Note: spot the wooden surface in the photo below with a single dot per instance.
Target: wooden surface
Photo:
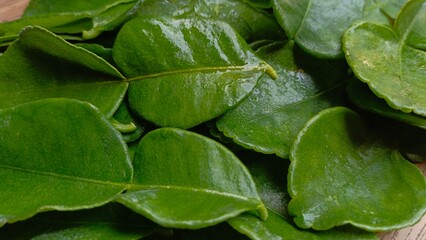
(12, 9)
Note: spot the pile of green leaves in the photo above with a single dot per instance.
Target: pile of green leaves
(212, 119)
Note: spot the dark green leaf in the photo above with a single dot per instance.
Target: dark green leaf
(342, 173)
(270, 118)
(251, 23)
(185, 180)
(58, 154)
(318, 26)
(112, 221)
(42, 65)
(392, 65)
(187, 71)
(361, 95)
(123, 116)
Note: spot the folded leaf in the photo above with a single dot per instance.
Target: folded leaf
(318, 26)
(185, 180)
(392, 65)
(42, 65)
(365, 99)
(112, 221)
(341, 173)
(269, 120)
(251, 23)
(187, 71)
(53, 157)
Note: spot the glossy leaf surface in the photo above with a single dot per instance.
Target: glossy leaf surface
(187, 71)
(269, 173)
(278, 228)
(341, 173)
(111, 221)
(392, 65)
(88, 18)
(362, 96)
(318, 26)
(269, 120)
(60, 161)
(42, 65)
(185, 180)
(251, 23)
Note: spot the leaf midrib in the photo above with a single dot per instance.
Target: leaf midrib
(63, 176)
(142, 187)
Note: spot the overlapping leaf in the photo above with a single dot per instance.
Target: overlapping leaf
(341, 173)
(187, 71)
(42, 65)
(251, 23)
(88, 18)
(270, 118)
(365, 99)
(58, 154)
(112, 221)
(392, 65)
(270, 175)
(185, 180)
(318, 26)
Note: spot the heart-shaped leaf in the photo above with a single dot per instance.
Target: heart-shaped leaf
(58, 154)
(185, 180)
(41, 65)
(251, 23)
(187, 71)
(318, 26)
(269, 120)
(112, 221)
(361, 95)
(392, 65)
(341, 173)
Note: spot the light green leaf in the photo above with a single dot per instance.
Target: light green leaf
(53, 157)
(318, 26)
(187, 71)
(124, 117)
(42, 65)
(251, 23)
(111, 221)
(361, 95)
(410, 24)
(269, 120)
(185, 180)
(342, 173)
(393, 70)
(260, 3)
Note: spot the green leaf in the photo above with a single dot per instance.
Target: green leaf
(185, 180)
(41, 65)
(53, 157)
(276, 227)
(342, 173)
(260, 3)
(251, 23)
(361, 95)
(187, 71)
(86, 17)
(112, 221)
(318, 26)
(123, 116)
(410, 24)
(269, 173)
(220, 231)
(391, 65)
(269, 120)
